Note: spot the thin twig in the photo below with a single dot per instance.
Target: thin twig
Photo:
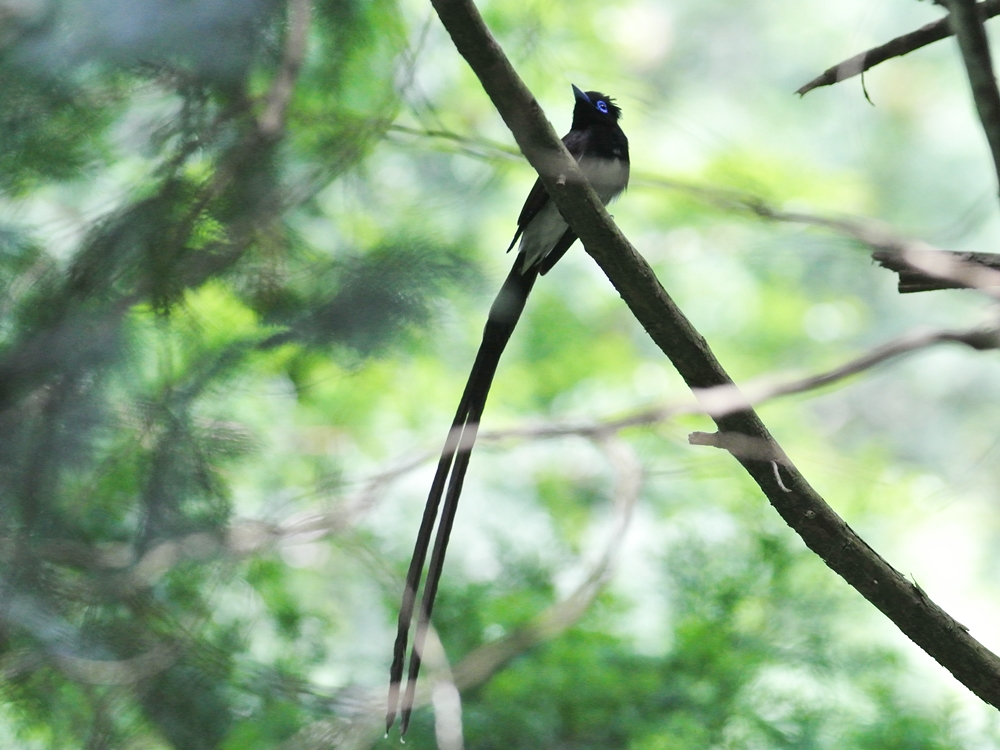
(932, 32)
(479, 148)
(979, 339)
(743, 446)
(921, 266)
(924, 261)
(952, 270)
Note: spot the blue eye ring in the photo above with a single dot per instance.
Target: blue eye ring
(602, 106)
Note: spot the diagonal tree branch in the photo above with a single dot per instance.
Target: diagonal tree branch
(901, 45)
(796, 501)
(975, 49)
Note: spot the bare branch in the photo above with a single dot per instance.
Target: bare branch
(968, 27)
(723, 400)
(953, 271)
(976, 338)
(796, 501)
(901, 45)
(923, 268)
(928, 266)
(742, 446)
(477, 147)
(912, 279)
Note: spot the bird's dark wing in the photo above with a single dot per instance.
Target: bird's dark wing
(535, 202)
(575, 143)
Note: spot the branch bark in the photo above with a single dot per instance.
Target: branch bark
(981, 267)
(796, 501)
(975, 47)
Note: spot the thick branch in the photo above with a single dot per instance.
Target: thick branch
(802, 508)
(901, 45)
(975, 47)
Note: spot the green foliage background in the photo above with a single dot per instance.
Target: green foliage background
(225, 359)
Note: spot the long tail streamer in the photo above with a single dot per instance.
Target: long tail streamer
(454, 462)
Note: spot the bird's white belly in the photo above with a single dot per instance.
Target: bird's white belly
(606, 176)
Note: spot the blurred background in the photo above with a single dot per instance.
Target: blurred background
(241, 287)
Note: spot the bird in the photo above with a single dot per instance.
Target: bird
(600, 147)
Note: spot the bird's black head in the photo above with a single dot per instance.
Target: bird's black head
(594, 108)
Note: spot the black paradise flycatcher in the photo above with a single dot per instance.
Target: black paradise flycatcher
(597, 142)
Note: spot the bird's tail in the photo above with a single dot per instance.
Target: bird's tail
(454, 462)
